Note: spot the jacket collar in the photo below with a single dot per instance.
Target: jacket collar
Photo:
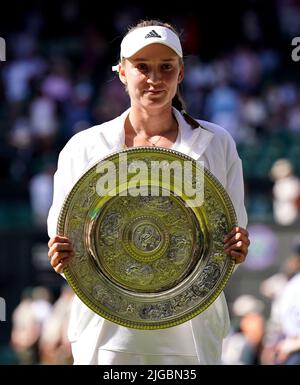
(193, 141)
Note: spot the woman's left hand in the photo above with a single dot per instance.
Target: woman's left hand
(237, 243)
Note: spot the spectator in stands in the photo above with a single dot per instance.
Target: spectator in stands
(286, 192)
(41, 193)
(243, 345)
(288, 349)
(25, 330)
(279, 341)
(54, 346)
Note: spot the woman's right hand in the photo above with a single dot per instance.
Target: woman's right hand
(60, 252)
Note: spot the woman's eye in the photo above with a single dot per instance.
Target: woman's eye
(142, 67)
(167, 66)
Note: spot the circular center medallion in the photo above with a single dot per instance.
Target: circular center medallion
(146, 237)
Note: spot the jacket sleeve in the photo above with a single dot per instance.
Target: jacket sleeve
(235, 189)
(62, 185)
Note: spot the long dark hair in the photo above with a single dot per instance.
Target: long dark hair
(177, 101)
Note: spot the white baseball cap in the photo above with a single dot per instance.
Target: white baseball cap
(141, 37)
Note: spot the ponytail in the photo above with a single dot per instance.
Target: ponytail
(179, 104)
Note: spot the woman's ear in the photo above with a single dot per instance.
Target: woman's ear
(122, 75)
(181, 74)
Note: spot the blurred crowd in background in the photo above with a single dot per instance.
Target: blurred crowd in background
(57, 81)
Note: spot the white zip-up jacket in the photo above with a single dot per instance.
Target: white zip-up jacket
(210, 144)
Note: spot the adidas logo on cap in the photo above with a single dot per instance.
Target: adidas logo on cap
(152, 34)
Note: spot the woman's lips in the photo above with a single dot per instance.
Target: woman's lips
(154, 92)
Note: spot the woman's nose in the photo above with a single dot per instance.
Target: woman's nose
(153, 76)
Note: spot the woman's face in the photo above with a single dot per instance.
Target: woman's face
(152, 76)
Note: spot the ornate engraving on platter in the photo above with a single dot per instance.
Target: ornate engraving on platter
(147, 261)
(146, 237)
